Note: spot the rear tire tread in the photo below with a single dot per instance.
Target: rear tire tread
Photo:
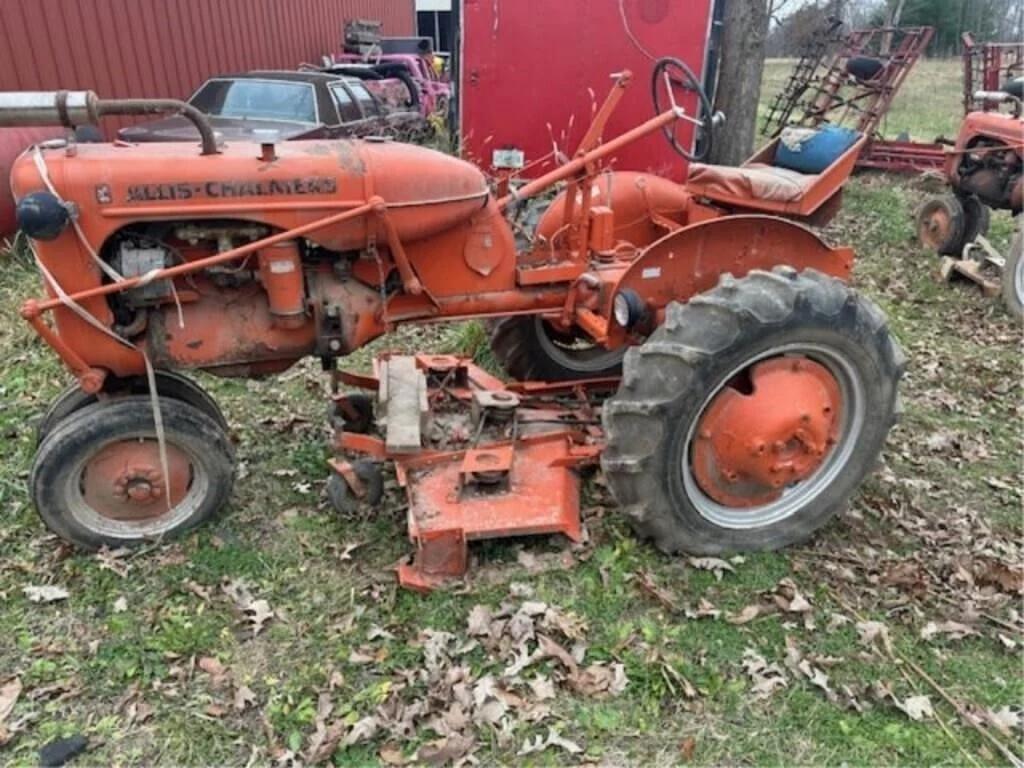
(666, 371)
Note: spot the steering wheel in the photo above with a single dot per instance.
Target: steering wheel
(671, 74)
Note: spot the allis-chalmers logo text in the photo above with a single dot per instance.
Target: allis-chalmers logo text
(313, 185)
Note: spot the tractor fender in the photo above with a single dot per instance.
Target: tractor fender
(690, 261)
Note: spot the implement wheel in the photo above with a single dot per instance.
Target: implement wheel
(530, 349)
(98, 479)
(168, 384)
(748, 419)
(345, 500)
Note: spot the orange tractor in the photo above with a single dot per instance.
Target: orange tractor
(985, 172)
(708, 355)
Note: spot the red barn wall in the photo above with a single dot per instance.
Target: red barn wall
(166, 48)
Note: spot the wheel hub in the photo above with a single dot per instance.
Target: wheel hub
(936, 227)
(124, 481)
(750, 447)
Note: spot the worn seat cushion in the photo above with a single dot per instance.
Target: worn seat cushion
(755, 181)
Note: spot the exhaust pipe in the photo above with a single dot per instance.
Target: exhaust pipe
(74, 108)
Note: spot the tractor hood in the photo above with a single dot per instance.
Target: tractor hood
(114, 185)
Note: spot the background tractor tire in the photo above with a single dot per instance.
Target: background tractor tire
(670, 381)
(942, 225)
(97, 479)
(1013, 278)
(977, 219)
(168, 384)
(530, 350)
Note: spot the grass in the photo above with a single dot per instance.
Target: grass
(88, 666)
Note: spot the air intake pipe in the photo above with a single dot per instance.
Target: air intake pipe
(74, 108)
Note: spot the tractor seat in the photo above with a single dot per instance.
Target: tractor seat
(753, 181)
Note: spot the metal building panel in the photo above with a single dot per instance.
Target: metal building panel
(533, 72)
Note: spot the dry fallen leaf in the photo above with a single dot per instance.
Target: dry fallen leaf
(540, 743)
(446, 750)
(954, 630)
(766, 678)
(714, 564)
(745, 616)
(245, 697)
(872, 632)
(916, 707)
(48, 593)
(9, 694)
(213, 668)
(599, 680)
(542, 688)
(1005, 720)
(687, 748)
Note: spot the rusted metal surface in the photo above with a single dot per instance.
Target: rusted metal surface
(499, 465)
(124, 481)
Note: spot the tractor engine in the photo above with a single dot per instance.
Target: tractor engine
(100, 214)
(287, 301)
(993, 173)
(988, 161)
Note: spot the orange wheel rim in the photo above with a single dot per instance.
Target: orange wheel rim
(124, 481)
(760, 436)
(936, 228)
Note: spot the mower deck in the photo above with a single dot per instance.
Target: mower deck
(493, 460)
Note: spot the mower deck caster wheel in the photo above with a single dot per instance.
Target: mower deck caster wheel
(100, 478)
(345, 500)
(358, 418)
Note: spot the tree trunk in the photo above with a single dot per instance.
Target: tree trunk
(739, 79)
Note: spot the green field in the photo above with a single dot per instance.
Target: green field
(151, 658)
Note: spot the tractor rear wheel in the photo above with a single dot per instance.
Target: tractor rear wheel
(1013, 278)
(99, 479)
(168, 384)
(748, 419)
(528, 348)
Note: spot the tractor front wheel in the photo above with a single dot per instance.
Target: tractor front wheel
(749, 418)
(168, 385)
(528, 348)
(100, 479)
(946, 224)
